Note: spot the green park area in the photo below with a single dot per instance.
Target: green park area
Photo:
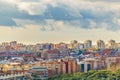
(90, 75)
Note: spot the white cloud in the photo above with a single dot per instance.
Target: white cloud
(116, 20)
(92, 24)
(32, 8)
(40, 6)
(92, 13)
(36, 8)
(47, 25)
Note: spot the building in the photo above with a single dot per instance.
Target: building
(100, 44)
(13, 43)
(60, 46)
(80, 46)
(87, 44)
(112, 44)
(86, 64)
(39, 73)
(84, 67)
(50, 54)
(61, 66)
(73, 44)
(113, 63)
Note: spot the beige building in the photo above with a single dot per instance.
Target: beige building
(59, 66)
(100, 44)
(73, 44)
(87, 44)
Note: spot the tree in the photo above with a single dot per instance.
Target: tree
(91, 75)
(117, 73)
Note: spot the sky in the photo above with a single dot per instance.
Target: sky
(34, 21)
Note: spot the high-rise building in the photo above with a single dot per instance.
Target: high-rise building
(112, 44)
(87, 44)
(5, 44)
(13, 43)
(73, 44)
(100, 44)
(80, 46)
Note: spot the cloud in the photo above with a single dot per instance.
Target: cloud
(50, 14)
(6, 13)
(105, 0)
(36, 8)
(33, 8)
(46, 25)
(52, 25)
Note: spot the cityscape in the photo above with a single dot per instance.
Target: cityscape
(43, 60)
(59, 39)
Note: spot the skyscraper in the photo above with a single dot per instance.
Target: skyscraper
(112, 44)
(100, 44)
(73, 44)
(13, 43)
(87, 44)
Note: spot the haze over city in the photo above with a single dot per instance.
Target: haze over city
(31, 21)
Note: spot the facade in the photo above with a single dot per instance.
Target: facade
(60, 46)
(80, 46)
(112, 44)
(73, 44)
(100, 44)
(60, 66)
(83, 67)
(13, 43)
(87, 44)
(39, 73)
(51, 54)
(113, 63)
(87, 64)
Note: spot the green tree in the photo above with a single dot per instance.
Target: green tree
(91, 75)
(117, 74)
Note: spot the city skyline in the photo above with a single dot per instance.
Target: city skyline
(59, 20)
(69, 42)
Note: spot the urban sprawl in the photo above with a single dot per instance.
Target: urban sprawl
(43, 60)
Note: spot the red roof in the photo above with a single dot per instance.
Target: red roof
(55, 51)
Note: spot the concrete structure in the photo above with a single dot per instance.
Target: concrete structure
(60, 46)
(113, 63)
(80, 46)
(73, 44)
(39, 73)
(100, 44)
(112, 44)
(87, 44)
(61, 66)
(51, 54)
(21, 76)
(87, 64)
